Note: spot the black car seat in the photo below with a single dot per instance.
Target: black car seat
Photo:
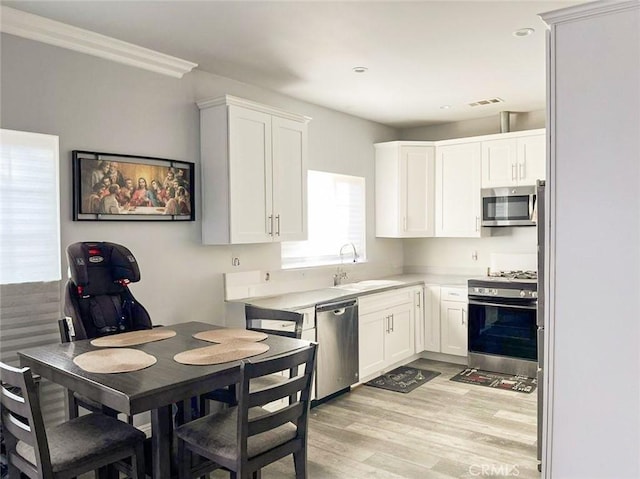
(97, 298)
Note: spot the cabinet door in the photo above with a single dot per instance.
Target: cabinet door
(371, 337)
(458, 190)
(310, 335)
(453, 321)
(250, 176)
(417, 165)
(289, 179)
(432, 318)
(532, 157)
(419, 316)
(499, 163)
(399, 340)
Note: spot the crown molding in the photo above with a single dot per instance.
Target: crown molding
(34, 27)
(585, 10)
(252, 105)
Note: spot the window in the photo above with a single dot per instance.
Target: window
(336, 216)
(29, 207)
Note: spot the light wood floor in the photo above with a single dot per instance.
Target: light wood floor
(441, 430)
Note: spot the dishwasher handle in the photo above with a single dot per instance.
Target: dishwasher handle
(338, 307)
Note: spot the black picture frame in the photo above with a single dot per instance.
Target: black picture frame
(116, 187)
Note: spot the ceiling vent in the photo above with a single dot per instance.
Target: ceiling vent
(489, 101)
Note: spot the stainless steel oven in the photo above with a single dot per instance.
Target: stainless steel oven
(502, 325)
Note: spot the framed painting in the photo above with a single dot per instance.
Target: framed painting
(110, 186)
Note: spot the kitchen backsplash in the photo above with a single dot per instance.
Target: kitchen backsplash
(248, 284)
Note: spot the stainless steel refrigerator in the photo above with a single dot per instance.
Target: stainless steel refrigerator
(540, 319)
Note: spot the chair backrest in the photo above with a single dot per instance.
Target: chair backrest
(97, 298)
(271, 321)
(22, 421)
(297, 387)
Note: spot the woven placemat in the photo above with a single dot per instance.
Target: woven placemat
(133, 338)
(230, 334)
(117, 360)
(221, 353)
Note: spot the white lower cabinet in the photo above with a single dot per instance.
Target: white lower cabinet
(453, 321)
(386, 330)
(432, 318)
(419, 308)
(309, 334)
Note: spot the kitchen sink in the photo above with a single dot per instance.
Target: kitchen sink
(369, 284)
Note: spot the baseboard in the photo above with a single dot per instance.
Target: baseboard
(388, 368)
(446, 358)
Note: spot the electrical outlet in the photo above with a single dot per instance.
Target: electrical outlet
(474, 256)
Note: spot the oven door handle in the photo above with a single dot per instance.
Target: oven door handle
(502, 305)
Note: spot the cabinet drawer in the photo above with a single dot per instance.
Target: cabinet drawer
(380, 301)
(309, 321)
(449, 293)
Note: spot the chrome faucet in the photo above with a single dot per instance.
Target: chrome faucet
(353, 248)
(341, 274)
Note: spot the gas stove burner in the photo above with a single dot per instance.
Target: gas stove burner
(515, 274)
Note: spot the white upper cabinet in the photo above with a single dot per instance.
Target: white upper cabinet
(458, 200)
(532, 159)
(513, 161)
(253, 164)
(405, 189)
(289, 179)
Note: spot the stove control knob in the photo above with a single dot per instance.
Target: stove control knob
(534, 294)
(523, 293)
(494, 292)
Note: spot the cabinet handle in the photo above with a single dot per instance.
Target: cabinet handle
(388, 323)
(464, 313)
(278, 225)
(392, 323)
(404, 223)
(270, 225)
(513, 171)
(419, 293)
(521, 168)
(477, 224)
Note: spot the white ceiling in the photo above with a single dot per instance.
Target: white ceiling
(420, 55)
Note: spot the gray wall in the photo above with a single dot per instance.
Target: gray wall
(518, 121)
(98, 105)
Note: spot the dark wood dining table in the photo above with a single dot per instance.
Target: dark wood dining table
(153, 389)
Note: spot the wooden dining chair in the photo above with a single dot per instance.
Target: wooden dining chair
(266, 320)
(75, 400)
(274, 321)
(245, 438)
(84, 444)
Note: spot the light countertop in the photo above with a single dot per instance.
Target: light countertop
(307, 299)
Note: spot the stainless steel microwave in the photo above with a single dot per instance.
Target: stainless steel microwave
(509, 206)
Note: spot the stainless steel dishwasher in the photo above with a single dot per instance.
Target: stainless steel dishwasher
(337, 336)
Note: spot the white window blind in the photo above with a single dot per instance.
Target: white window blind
(336, 216)
(29, 207)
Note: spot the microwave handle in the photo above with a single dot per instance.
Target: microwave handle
(532, 201)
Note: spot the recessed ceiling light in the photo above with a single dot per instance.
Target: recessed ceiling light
(523, 32)
(445, 107)
(360, 69)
